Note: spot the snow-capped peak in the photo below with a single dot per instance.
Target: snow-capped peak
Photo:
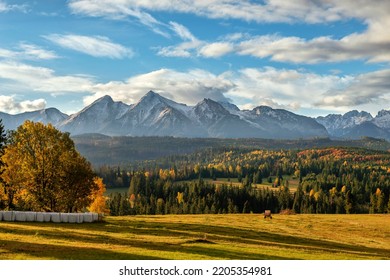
(382, 119)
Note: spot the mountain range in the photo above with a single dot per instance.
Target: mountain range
(155, 115)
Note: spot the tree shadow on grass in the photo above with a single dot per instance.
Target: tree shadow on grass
(86, 252)
(246, 236)
(90, 240)
(182, 234)
(49, 251)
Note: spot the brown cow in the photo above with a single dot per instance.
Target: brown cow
(267, 214)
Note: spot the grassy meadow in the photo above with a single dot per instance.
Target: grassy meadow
(205, 237)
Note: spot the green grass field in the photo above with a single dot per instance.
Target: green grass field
(241, 236)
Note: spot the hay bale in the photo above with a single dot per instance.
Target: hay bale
(95, 217)
(64, 217)
(88, 218)
(47, 217)
(39, 217)
(80, 218)
(8, 216)
(20, 216)
(31, 216)
(287, 212)
(55, 217)
(72, 218)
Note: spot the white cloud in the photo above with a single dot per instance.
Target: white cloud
(116, 10)
(27, 51)
(97, 46)
(317, 50)
(281, 88)
(310, 11)
(371, 45)
(4, 53)
(174, 51)
(267, 11)
(34, 52)
(216, 49)
(4, 7)
(249, 87)
(185, 49)
(373, 87)
(182, 31)
(193, 46)
(24, 77)
(186, 87)
(10, 105)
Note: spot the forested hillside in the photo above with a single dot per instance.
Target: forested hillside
(105, 150)
(328, 180)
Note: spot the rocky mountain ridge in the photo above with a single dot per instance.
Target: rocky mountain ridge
(155, 115)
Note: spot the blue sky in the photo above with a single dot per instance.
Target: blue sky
(309, 57)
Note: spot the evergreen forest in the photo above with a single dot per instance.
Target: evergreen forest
(225, 180)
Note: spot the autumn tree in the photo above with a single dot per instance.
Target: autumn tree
(98, 204)
(45, 170)
(3, 140)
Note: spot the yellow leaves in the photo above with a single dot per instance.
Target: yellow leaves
(344, 189)
(172, 174)
(98, 204)
(333, 191)
(44, 164)
(132, 200)
(316, 196)
(197, 169)
(179, 197)
(378, 192)
(312, 192)
(219, 167)
(165, 174)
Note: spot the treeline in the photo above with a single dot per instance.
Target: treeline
(332, 180)
(201, 197)
(123, 150)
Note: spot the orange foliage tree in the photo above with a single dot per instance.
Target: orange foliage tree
(98, 204)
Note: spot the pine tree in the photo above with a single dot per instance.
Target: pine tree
(381, 203)
(373, 203)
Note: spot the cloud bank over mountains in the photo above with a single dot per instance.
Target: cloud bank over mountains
(279, 88)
